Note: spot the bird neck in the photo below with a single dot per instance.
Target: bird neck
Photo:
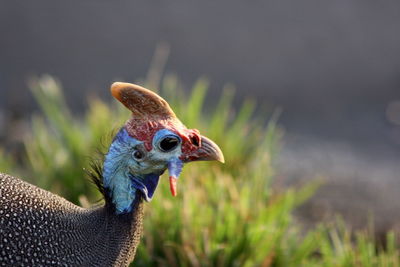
(117, 183)
(129, 228)
(116, 236)
(122, 192)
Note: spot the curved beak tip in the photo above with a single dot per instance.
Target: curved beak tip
(221, 159)
(209, 151)
(219, 156)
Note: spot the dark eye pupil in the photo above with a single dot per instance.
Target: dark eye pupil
(137, 154)
(168, 143)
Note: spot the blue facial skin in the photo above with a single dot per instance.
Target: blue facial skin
(129, 167)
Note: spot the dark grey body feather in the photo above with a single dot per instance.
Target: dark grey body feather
(38, 228)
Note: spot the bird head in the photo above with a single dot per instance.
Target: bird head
(151, 141)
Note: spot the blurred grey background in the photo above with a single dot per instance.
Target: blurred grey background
(333, 67)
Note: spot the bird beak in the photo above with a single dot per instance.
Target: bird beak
(207, 151)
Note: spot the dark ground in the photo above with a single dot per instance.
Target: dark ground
(333, 67)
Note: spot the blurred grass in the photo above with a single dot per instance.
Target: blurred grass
(225, 215)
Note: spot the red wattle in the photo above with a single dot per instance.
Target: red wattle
(172, 185)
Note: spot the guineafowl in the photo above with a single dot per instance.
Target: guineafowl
(38, 228)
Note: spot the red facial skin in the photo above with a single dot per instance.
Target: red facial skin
(145, 129)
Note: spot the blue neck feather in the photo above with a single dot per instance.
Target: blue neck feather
(116, 171)
(122, 184)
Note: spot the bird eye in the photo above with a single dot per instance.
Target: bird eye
(138, 155)
(169, 143)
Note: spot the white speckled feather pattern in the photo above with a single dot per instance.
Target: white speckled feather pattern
(38, 228)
